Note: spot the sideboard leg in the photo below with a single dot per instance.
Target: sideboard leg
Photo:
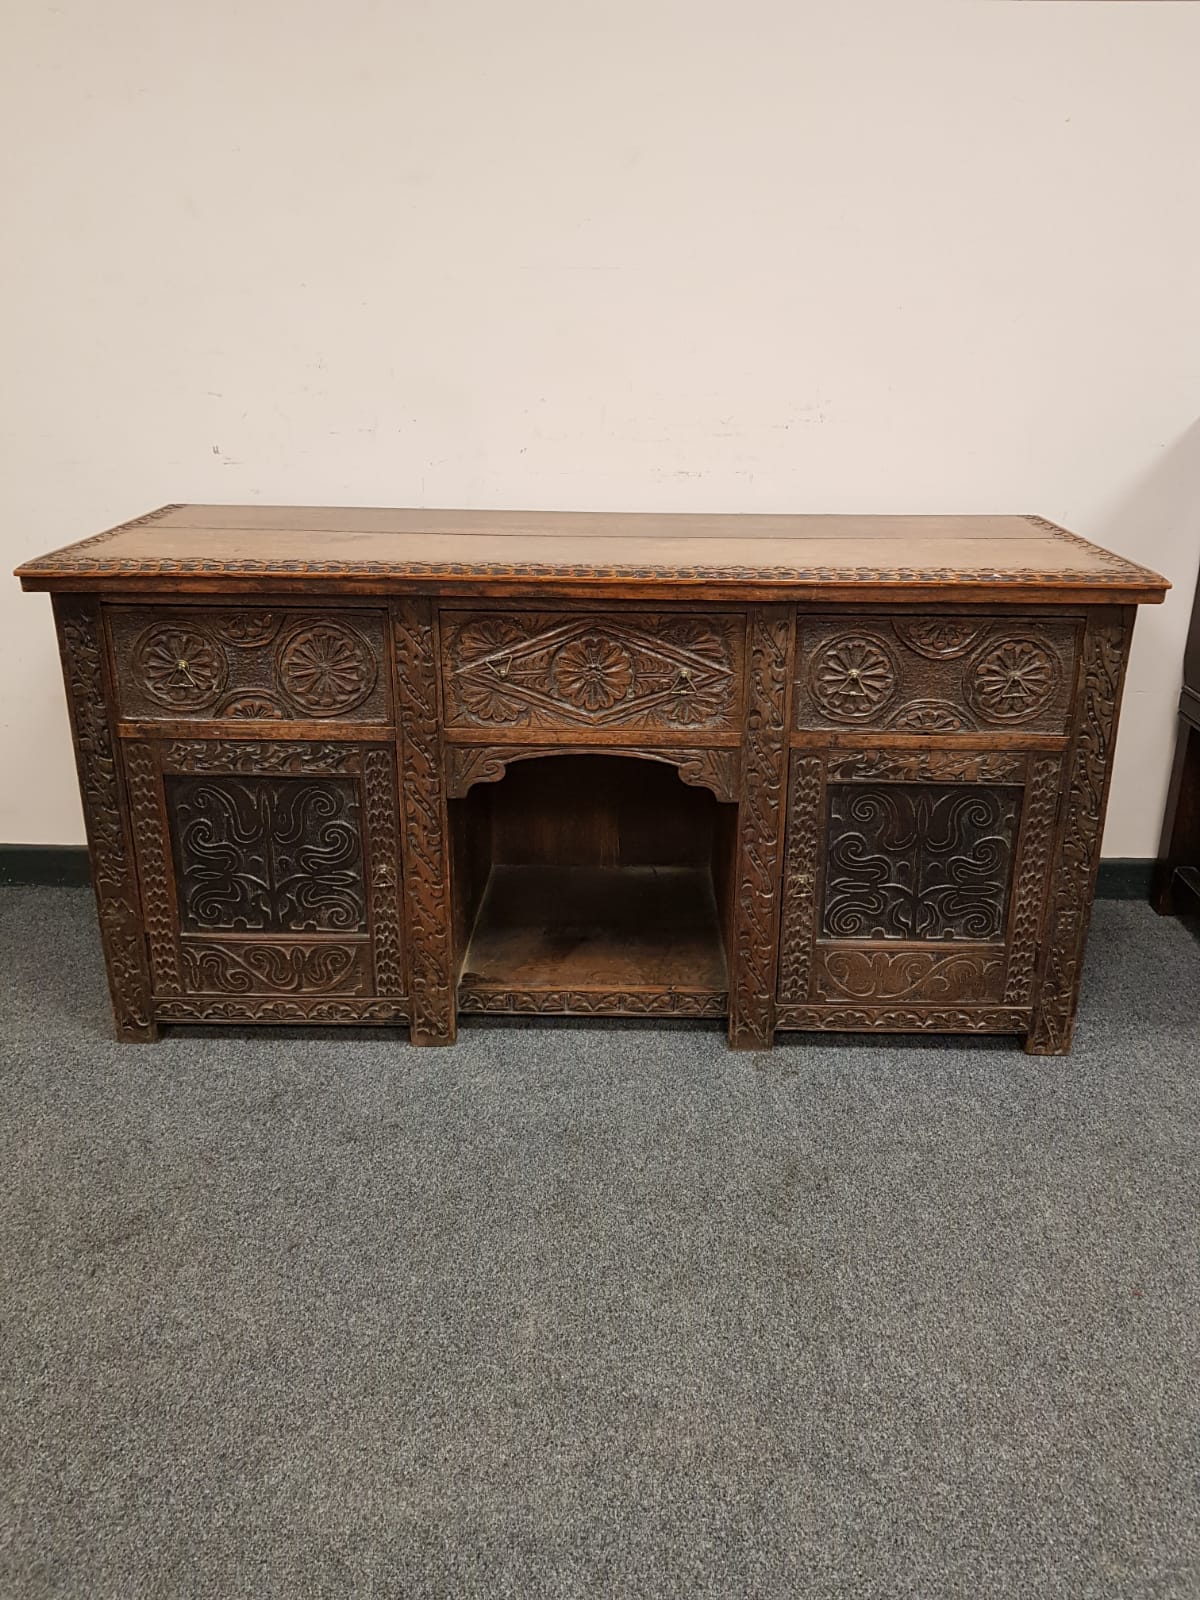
(432, 981)
(114, 880)
(754, 957)
(1077, 851)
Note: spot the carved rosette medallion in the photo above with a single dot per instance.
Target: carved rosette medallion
(1013, 681)
(853, 677)
(180, 667)
(326, 668)
(593, 672)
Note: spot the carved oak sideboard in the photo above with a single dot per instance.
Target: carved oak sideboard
(371, 766)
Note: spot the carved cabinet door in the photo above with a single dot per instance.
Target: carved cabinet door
(269, 874)
(914, 886)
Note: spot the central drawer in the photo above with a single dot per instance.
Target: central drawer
(669, 672)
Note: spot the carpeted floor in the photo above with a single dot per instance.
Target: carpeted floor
(598, 1311)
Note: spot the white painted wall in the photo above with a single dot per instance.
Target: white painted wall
(757, 256)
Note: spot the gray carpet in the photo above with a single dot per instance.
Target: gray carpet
(597, 1311)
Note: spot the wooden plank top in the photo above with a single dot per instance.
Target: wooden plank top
(197, 548)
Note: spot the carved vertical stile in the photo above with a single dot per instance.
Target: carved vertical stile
(113, 875)
(798, 913)
(425, 844)
(760, 829)
(1041, 809)
(1077, 857)
(154, 869)
(383, 844)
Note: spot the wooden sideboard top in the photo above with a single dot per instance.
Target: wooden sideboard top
(971, 558)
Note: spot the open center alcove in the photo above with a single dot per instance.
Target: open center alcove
(592, 883)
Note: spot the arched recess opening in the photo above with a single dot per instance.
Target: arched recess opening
(596, 882)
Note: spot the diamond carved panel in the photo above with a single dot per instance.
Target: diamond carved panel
(580, 670)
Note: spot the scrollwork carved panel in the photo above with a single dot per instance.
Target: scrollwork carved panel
(267, 854)
(957, 977)
(918, 861)
(264, 967)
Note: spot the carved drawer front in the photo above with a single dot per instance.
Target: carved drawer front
(177, 663)
(935, 674)
(268, 871)
(914, 878)
(644, 670)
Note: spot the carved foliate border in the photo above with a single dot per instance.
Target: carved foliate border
(1041, 809)
(1073, 871)
(900, 1019)
(927, 766)
(798, 914)
(425, 851)
(383, 871)
(113, 875)
(253, 758)
(154, 871)
(595, 1002)
(203, 1010)
(760, 829)
(716, 769)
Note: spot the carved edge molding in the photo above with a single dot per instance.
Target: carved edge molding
(764, 763)
(425, 845)
(279, 1010)
(1040, 815)
(1105, 650)
(716, 769)
(154, 871)
(145, 566)
(893, 1019)
(67, 559)
(383, 875)
(113, 875)
(1122, 568)
(927, 766)
(798, 913)
(595, 1002)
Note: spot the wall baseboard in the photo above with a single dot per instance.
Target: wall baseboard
(59, 865)
(66, 865)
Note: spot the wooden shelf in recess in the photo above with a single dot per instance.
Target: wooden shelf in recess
(596, 940)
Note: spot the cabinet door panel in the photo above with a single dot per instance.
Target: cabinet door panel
(915, 877)
(268, 870)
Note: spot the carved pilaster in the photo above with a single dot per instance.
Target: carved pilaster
(425, 847)
(760, 829)
(113, 878)
(800, 876)
(1077, 857)
(154, 870)
(379, 780)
